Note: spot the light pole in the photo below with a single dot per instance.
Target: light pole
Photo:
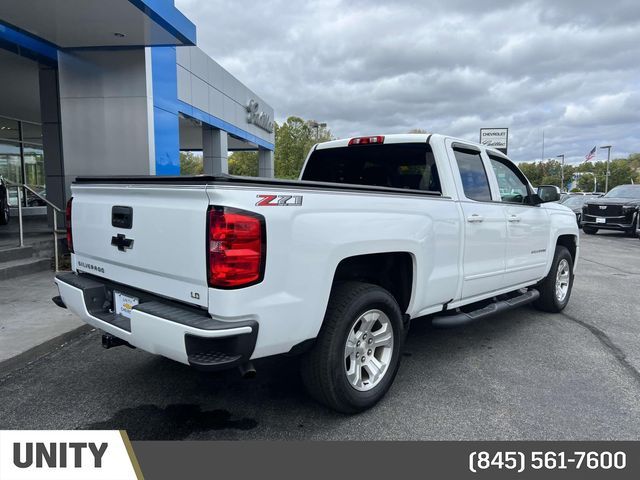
(606, 177)
(561, 171)
(317, 126)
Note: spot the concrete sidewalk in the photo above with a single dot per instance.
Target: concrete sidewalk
(31, 325)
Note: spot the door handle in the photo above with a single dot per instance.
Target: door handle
(475, 218)
(514, 218)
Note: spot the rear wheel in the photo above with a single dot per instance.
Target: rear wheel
(357, 353)
(589, 230)
(555, 289)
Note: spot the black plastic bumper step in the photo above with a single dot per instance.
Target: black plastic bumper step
(212, 359)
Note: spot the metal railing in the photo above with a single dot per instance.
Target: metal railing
(56, 210)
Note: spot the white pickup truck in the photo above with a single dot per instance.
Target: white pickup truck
(216, 271)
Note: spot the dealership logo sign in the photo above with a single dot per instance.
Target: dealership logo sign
(69, 455)
(497, 138)
(54, 454)
(257, 117)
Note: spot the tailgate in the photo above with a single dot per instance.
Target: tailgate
(167, 253)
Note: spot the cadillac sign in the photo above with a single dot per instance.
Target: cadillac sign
(257, 117)
(497, 138)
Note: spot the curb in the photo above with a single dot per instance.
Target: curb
(12, 364)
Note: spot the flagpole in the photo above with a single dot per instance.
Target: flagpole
(542, 158)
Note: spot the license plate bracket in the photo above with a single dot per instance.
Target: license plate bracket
(123, 304)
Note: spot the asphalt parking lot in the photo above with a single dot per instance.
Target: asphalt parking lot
(520, 375)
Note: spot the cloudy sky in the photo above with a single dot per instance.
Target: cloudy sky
(568, 67)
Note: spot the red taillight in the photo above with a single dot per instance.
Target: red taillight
(366, 140)
(67, 221)
(236, 247)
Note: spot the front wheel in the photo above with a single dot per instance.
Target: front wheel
(632, 231)
(357, 353)
(555, 289)
(589, 230)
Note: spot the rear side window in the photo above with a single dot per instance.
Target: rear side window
(402, 165)
(473, 175)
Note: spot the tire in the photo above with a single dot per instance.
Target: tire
(5, 213)
(325, 367)
(589, 230)
(632, 231)
(550, 298)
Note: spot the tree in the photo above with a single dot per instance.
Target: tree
(294, 139)
(532, 171)
(547, 173)
(621, 171)
(244, 164)
(191, 163)
(585, 182)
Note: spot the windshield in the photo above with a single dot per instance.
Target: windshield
(625, 191)
(575, 201)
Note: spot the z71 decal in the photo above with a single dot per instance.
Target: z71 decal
(279, 201)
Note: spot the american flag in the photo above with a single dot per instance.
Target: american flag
(590, 155)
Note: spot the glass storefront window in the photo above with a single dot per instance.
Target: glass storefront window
(34, 174)
(11, 166)
(9, 129)
(22, 159)
(32, 133)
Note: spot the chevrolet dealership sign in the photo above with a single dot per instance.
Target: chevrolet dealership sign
(497, 138)
(258, 117)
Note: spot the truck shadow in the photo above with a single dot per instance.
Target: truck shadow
(223, 405)
(174, 422)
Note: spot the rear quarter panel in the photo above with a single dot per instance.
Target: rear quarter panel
(306, 243)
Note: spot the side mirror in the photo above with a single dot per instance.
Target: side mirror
(549, 193)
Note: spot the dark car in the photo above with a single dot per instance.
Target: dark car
(4, 203)
(617, 210)
(575, 203)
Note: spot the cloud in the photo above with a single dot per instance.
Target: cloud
(612, 109)
(569, 68)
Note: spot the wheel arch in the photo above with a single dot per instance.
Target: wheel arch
(571, 244)
(393, 271)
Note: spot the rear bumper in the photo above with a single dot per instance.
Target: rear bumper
(179, 332)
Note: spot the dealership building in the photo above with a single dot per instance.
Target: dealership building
(117, 87)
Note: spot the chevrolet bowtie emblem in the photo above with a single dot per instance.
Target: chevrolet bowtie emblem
(121, 242)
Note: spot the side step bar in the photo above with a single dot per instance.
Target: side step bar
(462, 318)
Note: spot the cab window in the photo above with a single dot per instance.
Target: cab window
(512, 184)
(410, 166)
(473, 175)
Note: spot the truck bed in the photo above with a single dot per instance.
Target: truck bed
(249, 181)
